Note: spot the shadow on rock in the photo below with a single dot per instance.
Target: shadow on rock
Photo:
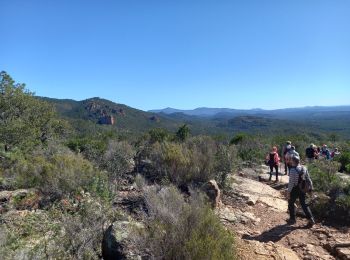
(274, 235)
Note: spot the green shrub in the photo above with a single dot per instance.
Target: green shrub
(344, 160)
(238, 138)
(90, 148)
(118, 159)
(343, 201)
(183, 133)
(158, 135)
(183, 230)
(251, 150)
(324, 177)
(56, 172)
(333, 200)
(195, 161)
(226, 161)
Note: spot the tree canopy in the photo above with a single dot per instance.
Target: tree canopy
(24, 119)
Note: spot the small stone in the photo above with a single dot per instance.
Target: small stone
(251, 202)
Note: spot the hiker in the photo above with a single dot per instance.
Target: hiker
(299, 184)
(311, 153)
(273, 160)
(335, 153)
(325, 152)
(286, 149)
(318, 149)
(292, 152)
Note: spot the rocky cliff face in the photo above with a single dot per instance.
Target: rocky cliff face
(107, 120)
(105, 114)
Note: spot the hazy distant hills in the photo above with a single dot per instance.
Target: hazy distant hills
(312, 119)
(227, 112)
(92, 115)
(206, 112)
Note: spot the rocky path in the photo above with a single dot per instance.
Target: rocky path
(256, 210)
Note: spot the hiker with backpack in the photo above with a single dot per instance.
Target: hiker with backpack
(292, 152)
(299, 185)
(273, 160)
(286, 149)
(335, 153)
(311, 153)
(325, 152)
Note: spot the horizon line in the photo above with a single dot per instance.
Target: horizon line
(200, 107)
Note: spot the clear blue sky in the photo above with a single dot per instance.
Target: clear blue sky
(181, 53)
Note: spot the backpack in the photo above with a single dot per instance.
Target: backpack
(310, 152)
(304, 181)
(286, 150)
(272, 159)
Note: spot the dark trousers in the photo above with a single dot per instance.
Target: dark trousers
(297, 193)
(286, 168)
(271, 170)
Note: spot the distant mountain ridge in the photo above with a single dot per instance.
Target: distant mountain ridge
(96, 114)
(95, 111)
(209, 112)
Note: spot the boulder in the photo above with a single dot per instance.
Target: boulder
(254, 191)
(212, 190)
(227, 214)
(117, 241)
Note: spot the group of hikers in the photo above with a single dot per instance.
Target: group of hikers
(315, 152)
(312, 153)
(300, 182)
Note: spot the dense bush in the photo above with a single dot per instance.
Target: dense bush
(344, 160)
(183, 133)
(56, 172)
(323, 175)
(250, 149)
(239, 138)
(92, 149)
(226, 162)
(159, 135)
(183, 230)
(333, 194)
(118, 159)
(194, 161)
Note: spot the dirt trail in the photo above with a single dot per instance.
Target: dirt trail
(256, 211)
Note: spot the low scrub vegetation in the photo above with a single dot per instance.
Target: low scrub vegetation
(180, 229)
(192, 162)
(333, 193)
(70, 229)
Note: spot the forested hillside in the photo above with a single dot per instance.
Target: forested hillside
(88, 116)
